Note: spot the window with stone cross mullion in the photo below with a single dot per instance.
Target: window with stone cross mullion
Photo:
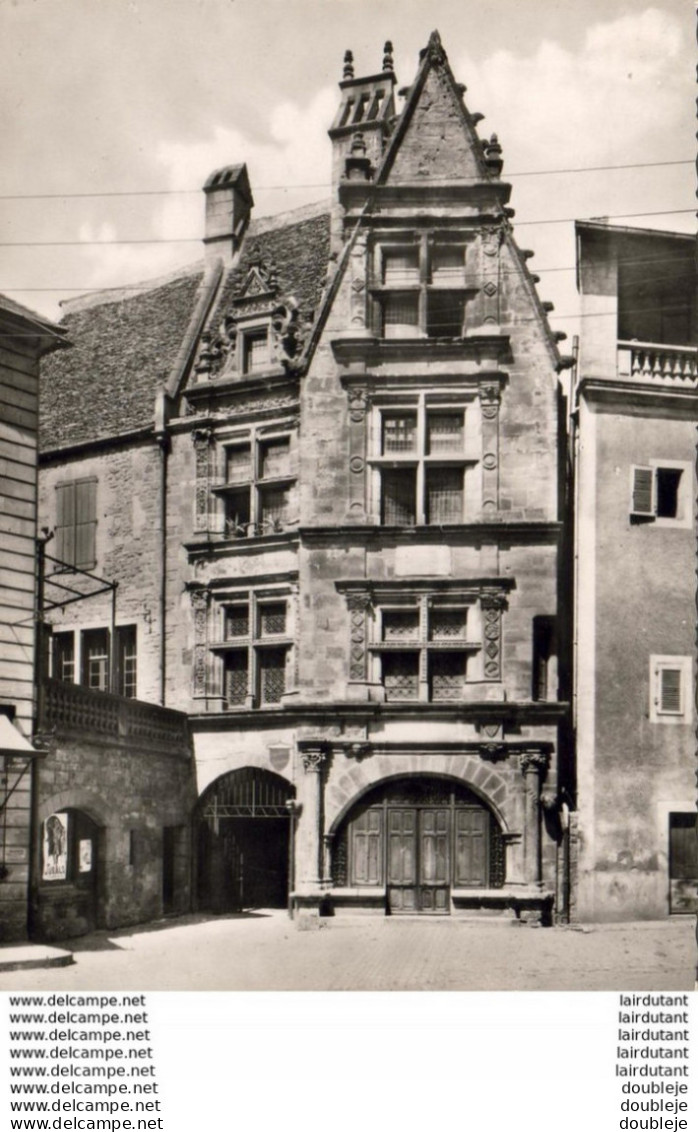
(258, 481)
(254, 672)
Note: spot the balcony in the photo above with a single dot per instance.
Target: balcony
(649, 362)
(70, 708)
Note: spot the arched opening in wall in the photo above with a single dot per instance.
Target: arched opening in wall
(419, 838)
(66, 900)
(243, 834)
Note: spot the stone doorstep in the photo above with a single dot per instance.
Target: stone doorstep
(28, 956)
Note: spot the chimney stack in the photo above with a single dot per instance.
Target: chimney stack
(229, 204)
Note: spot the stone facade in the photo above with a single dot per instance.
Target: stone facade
(636, 575)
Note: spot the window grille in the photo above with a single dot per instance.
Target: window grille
(400, 266)
(272, 619)
(398, 496)
(237, 621)
(274, 507)
(444, 433)
(444, 491)
(447, 676)
(400, 624)
(399, 432)
(401, 676)
(236, 677)
(400, 315)
(670, 686)
(445, 315)
(447, 624)
(272, 675)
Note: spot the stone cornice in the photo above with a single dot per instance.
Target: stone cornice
(639, 397)
(485, 350)
(464, 534)
(329, 714)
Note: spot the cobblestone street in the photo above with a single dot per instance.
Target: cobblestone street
(266, 951)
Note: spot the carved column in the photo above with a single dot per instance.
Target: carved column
(490, 399)
(534, 764)
(356, 494)
(492, 605)
(358, 605)
(200, 603)
(311, 822)
(201, 438)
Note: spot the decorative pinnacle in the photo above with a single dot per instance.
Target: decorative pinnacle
(358, 145)
(388, 64)
(348, 65)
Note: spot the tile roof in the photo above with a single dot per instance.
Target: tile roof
(124, 348)
(121, 352)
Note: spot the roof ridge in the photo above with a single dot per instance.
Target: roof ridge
(118, 294)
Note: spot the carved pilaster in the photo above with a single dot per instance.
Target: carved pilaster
(200, 600)
(490, 399)
(358, 605)
(534, 764)
(357, 272)
(492, 605)
(201, 438)
(358, 407)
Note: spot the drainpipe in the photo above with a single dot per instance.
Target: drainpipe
(162, 440)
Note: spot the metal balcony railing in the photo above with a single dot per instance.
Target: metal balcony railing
(647, 361)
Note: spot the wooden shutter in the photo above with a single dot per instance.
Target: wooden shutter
(642, 491)
(65, 523)
(670, 691)
(85, 523)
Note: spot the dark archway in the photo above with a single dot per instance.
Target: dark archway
(419, 837)
(243, 835)
(67, 895)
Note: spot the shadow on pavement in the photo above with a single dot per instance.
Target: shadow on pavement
(109, 940)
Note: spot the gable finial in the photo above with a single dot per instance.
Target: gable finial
(348, 65)
(434, 49)
(388, 64)
(493, 155)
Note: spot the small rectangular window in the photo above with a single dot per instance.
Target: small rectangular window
(444, 491)
(272, 618)
(668, 481)
(400, 624)
(127, 661)
(444, 433)
(237, 512)
(447, 624)
(64, 657)
(400, 675)
(272, 675)
(544, 659)
(400, 266)
(398, 496)
(399, 433)
(238, 464)
(670, 696)
(237, 621)
(446, 676)
(255, 351)
(400, 315)
(236, 677)
(95, 659)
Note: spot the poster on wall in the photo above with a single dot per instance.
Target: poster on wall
(85, 856)
(55, 840)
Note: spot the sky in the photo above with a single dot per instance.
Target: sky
(134, 97)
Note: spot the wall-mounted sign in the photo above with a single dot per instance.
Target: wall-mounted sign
(55, 845)
(85, 856)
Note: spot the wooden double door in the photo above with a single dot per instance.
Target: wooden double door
(419, 839)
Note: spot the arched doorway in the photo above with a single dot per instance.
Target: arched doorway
(243, 828)
(419, 838)
(66, 898)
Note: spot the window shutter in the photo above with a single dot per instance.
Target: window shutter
(65, 523)
(642, 491)
(670, 691)
(85, 523)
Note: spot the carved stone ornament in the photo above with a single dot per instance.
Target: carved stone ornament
(490, 289)
(288, 333)
(489, 461)
(358, 405)
(314, 760)
(357, 464)
(492, 752)
(358, 751)
(534, 762)
(358, 605)
(358, 282)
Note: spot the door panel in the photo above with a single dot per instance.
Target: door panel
(472, 829)
(434, 844)
(367, 837)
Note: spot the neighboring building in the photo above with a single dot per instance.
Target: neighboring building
(326, 472)
(635, 446)
(24, 338)
(96, 789)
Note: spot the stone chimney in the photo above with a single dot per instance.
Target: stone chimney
(229, 204)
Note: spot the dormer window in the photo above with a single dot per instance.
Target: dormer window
(255, 350)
